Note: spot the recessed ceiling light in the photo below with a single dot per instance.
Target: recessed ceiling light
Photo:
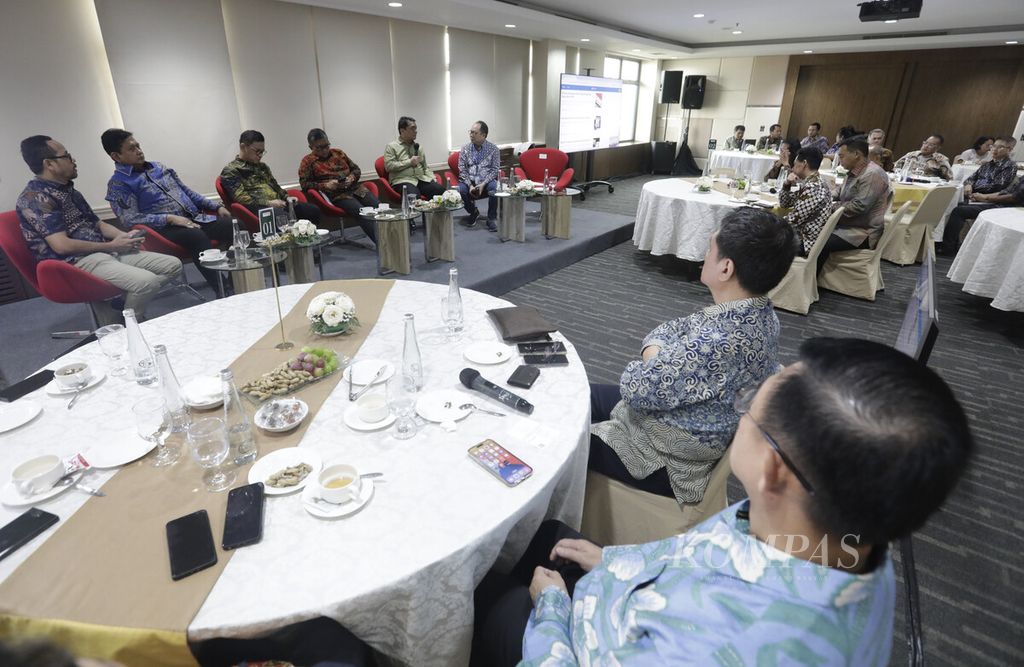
(510, 25)
(585, 39)
(396, 5)
(892, 21)
(698, 16)
(1012, 41)
(808, 51)
(737, 32)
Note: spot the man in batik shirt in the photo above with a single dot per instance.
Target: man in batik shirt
(247, 180)
(336, 176)
(479, 166)
(993, 185)
(928, 161)
(808, 196)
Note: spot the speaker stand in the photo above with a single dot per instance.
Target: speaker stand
(685, 165)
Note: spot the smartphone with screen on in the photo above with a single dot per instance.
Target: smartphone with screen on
(243, 522)
(546, 359)
(20, 532)
(500, 462)
(550, 347)
(190, 544)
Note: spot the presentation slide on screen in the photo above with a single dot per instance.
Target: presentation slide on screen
(588, 113)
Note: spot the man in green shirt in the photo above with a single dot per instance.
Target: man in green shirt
(406, 163)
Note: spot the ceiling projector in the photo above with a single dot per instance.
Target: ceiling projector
(889, 10)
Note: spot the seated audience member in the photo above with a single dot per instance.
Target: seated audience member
(844, 133)
(978, 153)
(787, 152)
(58, 223)
(814, 138)
(928, 161)
(808, 198)
(772, 140)
(151, 194)
(850, 448)
(865, 197)
(248, 180)
(406, 163)
(994, 184)
(336, 176)
(479, 165)
(877, 151)
(735, 142)
(667, 423)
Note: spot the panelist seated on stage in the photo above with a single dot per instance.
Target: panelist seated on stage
(151, 194)
(850, 448)
(248, 180)
(771, 141)
(814, 138)
(877, 152)
(333, 173)
(735, 142)
(979, 152)
(406, 163)
(667, 423)
(479, 166)
(58, 223)
(808, 198)
(928, 161)
(995, 184)
(787, 152)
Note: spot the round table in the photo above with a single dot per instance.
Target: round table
(990, 263)
(246, 273)
(672, 218)
(400, 573)
(754, 165)
(963, 171)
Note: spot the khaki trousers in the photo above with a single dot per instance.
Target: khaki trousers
(139, 274)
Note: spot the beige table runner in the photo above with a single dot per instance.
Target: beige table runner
(101, 584)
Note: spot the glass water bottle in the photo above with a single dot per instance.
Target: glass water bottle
(173, 399)
(236, 421)
(453, 304)
(143, 365)
(412, 363)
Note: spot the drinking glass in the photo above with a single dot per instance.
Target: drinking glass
(153, 422)
(451, 315)
(402, 401)
(114, 343)
(208, 440)
(551, 183)
(244, 239)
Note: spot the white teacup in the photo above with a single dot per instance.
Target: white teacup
(211, 255)
(367, 210)
(38, 474)
(372, 407)
(383, 206)
(73, 376)
(339, 483)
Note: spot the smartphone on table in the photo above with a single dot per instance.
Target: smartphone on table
(21, 530)
(549, 347)
(243, 521)
(26, 386)
(500, 462)
(547, 359)
(524, 376)
(190, 544)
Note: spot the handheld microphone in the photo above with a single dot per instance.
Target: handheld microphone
(415, 148)
(470, 377)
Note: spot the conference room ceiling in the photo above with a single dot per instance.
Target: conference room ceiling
(668, 28)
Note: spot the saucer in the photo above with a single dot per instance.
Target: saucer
(354, 422)
(442, 406)
(488, 353)
(11, 497)
(323, 232)
(331, 511)
(54, 389)
(117, 451)
(213, 256)
(202, 392)
(18, 413)
(285, 458)
(363, 371)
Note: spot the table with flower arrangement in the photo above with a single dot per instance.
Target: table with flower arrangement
(438, 226)
(753, 165)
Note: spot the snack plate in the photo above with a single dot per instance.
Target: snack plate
(285, 458)
(343, 361)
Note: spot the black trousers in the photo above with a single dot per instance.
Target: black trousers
(605, 460)
(303, 211)
(422, 188)
(837, 244)
(958, 217)
(319, 641)
(198, 240)
(502, 604)
(351, 206)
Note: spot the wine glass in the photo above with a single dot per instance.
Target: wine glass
(208, 440)
(244, 239)
(114, 344)
(153, 422)
(402, 401)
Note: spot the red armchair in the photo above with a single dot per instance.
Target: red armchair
(554, 161)
(54, 279)
(453, 173)
(385, 183)
(327, 207)
(157, 242)
(244, 215)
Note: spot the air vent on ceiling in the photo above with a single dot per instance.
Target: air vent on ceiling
(906, 35)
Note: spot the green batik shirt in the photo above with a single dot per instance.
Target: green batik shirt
(250, 184)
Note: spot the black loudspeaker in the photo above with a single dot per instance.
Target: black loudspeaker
(671, 84)
(693, 91)
(663, 154)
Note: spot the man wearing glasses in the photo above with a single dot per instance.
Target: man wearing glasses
(336, 176)
(58, 223)
(479, 166)
(853, 446)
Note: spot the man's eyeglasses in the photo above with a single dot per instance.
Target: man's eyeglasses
(321, 147)
(61, 157)
(260, 152)
(744, 399)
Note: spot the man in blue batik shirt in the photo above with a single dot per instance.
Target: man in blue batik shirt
(479, 165)
(151, 194)
(851, 447)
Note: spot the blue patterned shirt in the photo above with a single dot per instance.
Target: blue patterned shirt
(46, 208)
(715, 595)
(992, 176)
(819, 142)
(479, 165)
(147, 196)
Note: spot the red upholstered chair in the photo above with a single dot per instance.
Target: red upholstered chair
(54, 279)
(556, 162)
(325, 205)
(386, 187)
(157, 242)
(241, 213)
(453, 174)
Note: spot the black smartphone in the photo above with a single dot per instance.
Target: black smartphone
(524, 376)
(26, 386)
(20, 532)
(546, 359)
(190, 544)
(243, 523)
(550, 347)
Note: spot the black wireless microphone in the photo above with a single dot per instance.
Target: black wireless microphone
(470, 377)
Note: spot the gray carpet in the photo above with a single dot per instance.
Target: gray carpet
(969, 559)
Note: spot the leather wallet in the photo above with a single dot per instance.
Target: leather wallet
(520, 323)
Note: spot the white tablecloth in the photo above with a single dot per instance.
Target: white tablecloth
(674, 219)
(400, 573)
(964, 171)
(754, 165)
(990, 262)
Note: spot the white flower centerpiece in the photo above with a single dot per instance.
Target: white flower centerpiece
(303, 231)
(704, 184)
(750, 148)
(449, 200)
(332, 314)
(524, 188)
